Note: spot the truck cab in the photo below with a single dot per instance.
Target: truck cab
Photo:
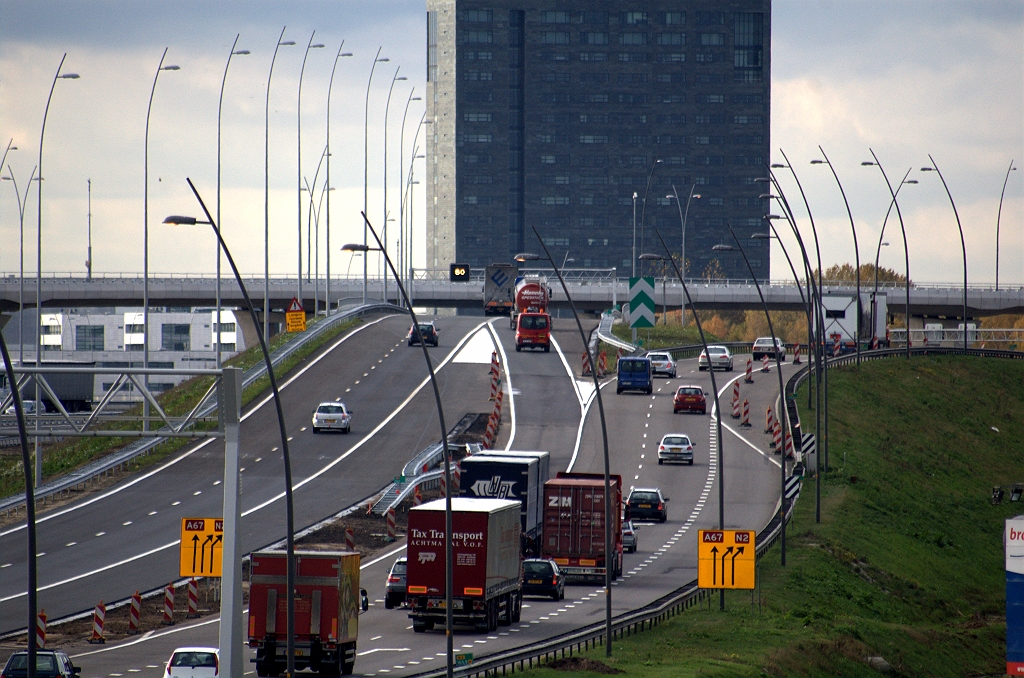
(533, 330)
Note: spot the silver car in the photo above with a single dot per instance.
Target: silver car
(675, 447)
(629, 537)
(662, 363)
(335, 416)
(763, 346)
(193, 662)
(721, 359)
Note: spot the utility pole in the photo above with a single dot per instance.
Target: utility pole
(88, 256)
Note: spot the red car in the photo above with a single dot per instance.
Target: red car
(689, 398)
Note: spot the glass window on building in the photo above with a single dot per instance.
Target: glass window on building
(175, 337)
(89, 338)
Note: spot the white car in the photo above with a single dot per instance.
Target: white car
(193, 662)
(332, 416)
(763, 347)
(720, 359)
(675, 447)
(662, 363)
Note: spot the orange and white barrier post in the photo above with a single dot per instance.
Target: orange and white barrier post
(169, 605)
(495, 376)
(602, 364)
(444, 485)
(99, 616)
(350, 539)
(769, 420)
(835, 345)
(789, 445)
(746, 414)
(456, 479)
(586, 372)
(777, 437)
(417, 497)
(134, 614)
(193, 598)
(392, 525)
(749, 379)
(796, 354)
(874, 343)
(41, 630)
(735, 393)
(765, 365)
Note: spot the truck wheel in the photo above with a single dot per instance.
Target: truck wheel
(419, 627)
(389, 602)
(661, 462)
(518, 348)
(547, 348)
(492, 615)
(506, 618)
(517, 607)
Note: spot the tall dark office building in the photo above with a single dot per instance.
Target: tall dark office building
(555, 114)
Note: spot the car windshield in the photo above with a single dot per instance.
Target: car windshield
(676, 440)
(658, 356)
(533, 322)
(536, 569)
(633, 365)
(643, 497)
(330, 409)
(399, 568)
(689, 391)
(44, 662)
(193, 659)
(717, 350)
(426, 329)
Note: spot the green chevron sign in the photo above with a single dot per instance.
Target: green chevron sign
(641, 302)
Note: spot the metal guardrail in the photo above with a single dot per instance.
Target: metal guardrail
(604, 332)
(119, 459)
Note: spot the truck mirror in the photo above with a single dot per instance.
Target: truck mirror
(364, 600)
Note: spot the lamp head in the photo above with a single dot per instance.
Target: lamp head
(172, 67)
(241, 52)
(286, 43)
(723, 248)
(416, 99)
(383, 59)
(345, 54)
(817, 162)
(696, 196)
(765, 196)
(761, 236)
(355, 247)
(927, 169)
(761, 180)
(401, 77)
(526, 256)
(868, 163)
(649, 256)
(180, 220)
(316, 46)
(910, 181)
(74, 76)
(778, 165)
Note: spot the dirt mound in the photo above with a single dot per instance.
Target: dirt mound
(582, 664)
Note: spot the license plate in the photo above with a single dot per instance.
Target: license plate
(298, 653)
(329, 421)
(645, 506)
(675, 450)
(536, 581)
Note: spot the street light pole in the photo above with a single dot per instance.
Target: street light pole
(682, 251)
(145, 240)
(266, 190)
(327, 228)
(783, 410)
(878, 250)
(402, 244)
(963, 246)
(298, 165)
(608, 554)
(856, 248)
(220, 107)
(643, 209)
(22, 204)
(366, 155)
(384, 227)
(999, 215)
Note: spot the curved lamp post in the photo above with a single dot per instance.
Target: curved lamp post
(145, 237)
(327, 228)
(878, 250)
(856, 248)
(903, 230)
(402, 256)
(714, 388)
(408, 199)
(22, 204)
(266, 188)
(220, 108)
(963, 246)
(289, 513)
(449, 579)
(783, 410)
(366, 155)
(608, 564)
(643, 208)
(682, 250)
(298, 165)
(999, 215)
(384, 228)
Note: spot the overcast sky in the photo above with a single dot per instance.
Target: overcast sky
(905, 78)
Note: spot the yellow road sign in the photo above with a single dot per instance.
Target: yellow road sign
(725, 559)
(295, 321)
(202, 543)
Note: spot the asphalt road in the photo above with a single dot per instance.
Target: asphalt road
(548, 403)
(125, 539)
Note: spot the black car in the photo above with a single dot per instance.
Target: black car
(647, 504)
(428, 331)
(541, 577)
(49, 664)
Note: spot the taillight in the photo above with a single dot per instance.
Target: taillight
(216, 665)
(661, 506)
(689, 448)
(554, 580)
(167, 671)
(661, 448)
(393, 579)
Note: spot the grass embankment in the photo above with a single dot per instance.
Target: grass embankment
(72, 453)
(907, 562)
(663, 336)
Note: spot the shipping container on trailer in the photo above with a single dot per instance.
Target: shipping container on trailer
(497, 474)
(574, 525)
(327, 602)
(486, 571)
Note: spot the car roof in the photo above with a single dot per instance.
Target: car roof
(539, 560)
(645, 489)
(331, 402)
(684, 435)
(401, 560)
(197, 648)
(689, 386)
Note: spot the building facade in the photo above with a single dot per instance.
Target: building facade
(564, 114)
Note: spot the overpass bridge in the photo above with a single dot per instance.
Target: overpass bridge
(592, 291)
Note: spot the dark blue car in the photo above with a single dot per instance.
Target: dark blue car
(634, 374)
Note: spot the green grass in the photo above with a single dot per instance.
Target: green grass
(662, 336)
(75, 452)
(907, 563)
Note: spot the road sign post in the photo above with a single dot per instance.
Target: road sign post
(641, 302)
(725, 559)
(231, 631)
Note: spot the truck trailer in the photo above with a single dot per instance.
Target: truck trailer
(531, 296)
(499, 288)
(498, 474)
(574, 520)
(488, 588)
(327, 602)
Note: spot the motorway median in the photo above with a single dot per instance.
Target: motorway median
(905, 574)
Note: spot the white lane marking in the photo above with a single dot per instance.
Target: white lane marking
(382, 649)
(508, 379)
(187, 453)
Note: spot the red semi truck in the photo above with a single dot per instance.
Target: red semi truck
(529, 317)
(574, 519)
(327, 604)
(488, 588)
(531, 296)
